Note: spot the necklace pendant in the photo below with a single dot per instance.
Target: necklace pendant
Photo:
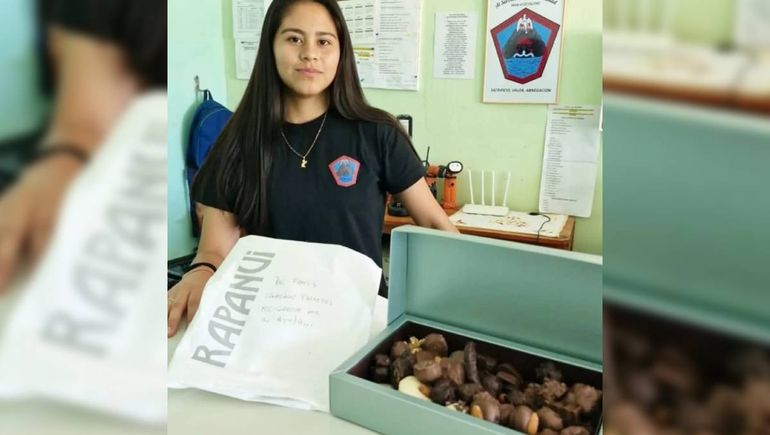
(304, 163)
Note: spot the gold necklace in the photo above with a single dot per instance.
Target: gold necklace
(304, 157)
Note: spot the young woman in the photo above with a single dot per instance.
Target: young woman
(304, 157)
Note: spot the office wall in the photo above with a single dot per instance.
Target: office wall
(450, 118)
(22, 104)
(195, 47)
(710, 22)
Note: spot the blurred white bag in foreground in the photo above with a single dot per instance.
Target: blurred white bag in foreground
(89, 326)
(275, 319)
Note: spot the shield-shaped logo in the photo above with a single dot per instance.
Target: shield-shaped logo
(345, 170)
(523, 43)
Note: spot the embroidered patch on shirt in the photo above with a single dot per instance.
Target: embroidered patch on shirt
(345, 170)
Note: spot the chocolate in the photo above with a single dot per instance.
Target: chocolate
(399, 369)
(584, 396)
(750, 363)
(379, 374)
(569, 412)
(399, 348)
(424, 355)
(673, 371)
(382, 360)
(457, 355)
(524, 420)
(427, 371)
(413, 387)
(505, 367)
(453, 370)
(517, 397)
(533, 396)
(443, 391)
(486, 388)
(548, 370)
(704, 384)
(486, 363)
(506, 410)
(459, 407)
(435, 343)
(490, 407)
(471, 367)
(467, 391)
(491, 383)
(574, 430)
(550, 419)
(415, 345)
(509, 375)
(552, 390)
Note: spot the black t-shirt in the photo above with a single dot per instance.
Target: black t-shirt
(339, 197)
(137, 27)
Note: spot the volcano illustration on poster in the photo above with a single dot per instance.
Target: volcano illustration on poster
(523, 51)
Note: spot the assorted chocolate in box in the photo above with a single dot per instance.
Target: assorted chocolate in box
(508, 342)
(523, 392)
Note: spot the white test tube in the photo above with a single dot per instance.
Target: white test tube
(493, 187)
(622, 15)
(483, 174)
(670, 11)
(644, 15)
(470, 185)
(507, 182)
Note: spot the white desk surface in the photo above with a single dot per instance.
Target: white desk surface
(200, 412)
(190, 412)
(46, 417)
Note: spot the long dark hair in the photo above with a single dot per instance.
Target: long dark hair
(240, 159)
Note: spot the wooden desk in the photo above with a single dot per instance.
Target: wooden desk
(563, 241)
(730, 99)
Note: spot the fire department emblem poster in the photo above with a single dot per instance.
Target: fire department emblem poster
(523, 51)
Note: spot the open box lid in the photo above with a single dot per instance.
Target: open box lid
(685, 220)
(541, 297)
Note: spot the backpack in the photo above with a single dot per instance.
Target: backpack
(208, 121)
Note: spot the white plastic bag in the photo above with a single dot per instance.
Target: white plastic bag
(275, 319)
(89, 324)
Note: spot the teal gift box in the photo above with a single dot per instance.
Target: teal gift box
(685, 218)
(521, 304)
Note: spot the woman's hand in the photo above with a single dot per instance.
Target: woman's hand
(94, 87)
(29, 211)
(219, 233)
(185, 297)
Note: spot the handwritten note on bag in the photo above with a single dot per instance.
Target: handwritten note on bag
(275, 319)
(282, 306)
